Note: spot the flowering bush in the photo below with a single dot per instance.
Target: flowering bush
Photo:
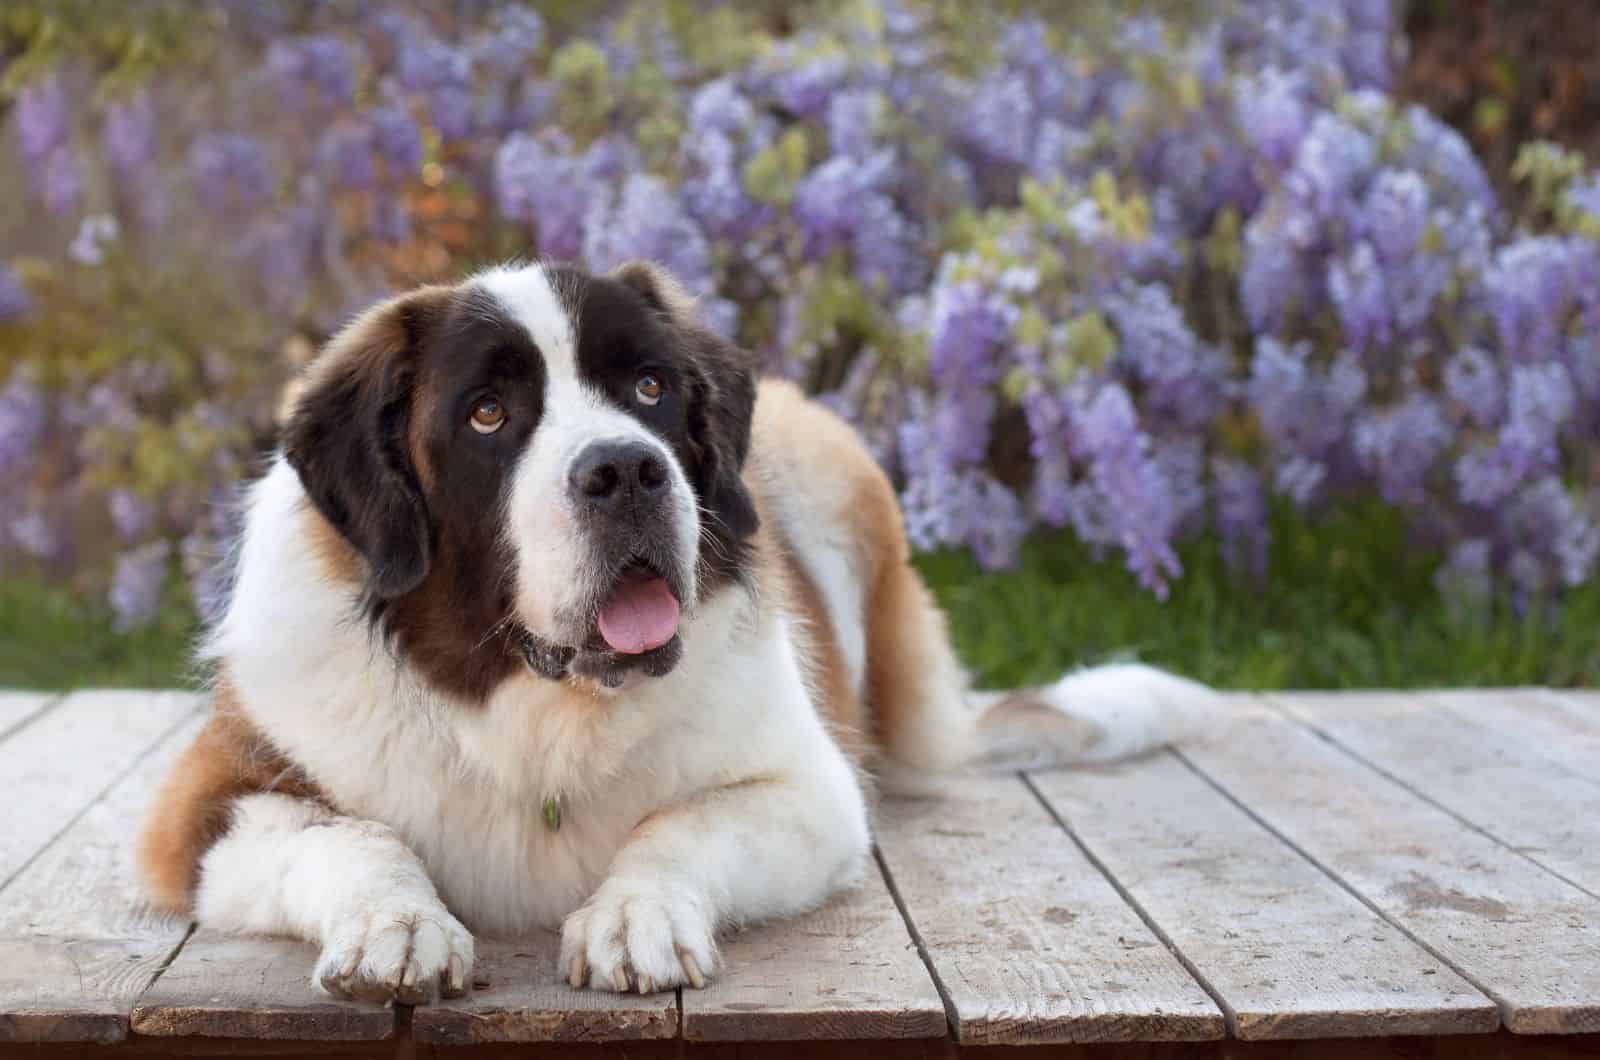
(1132, 275)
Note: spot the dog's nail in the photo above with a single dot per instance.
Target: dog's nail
(619, 979)
(691, 971)
(455, 972)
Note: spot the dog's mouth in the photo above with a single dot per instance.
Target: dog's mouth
(634, 630)
(640, 614)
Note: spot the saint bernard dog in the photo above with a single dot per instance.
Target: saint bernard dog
(547, 614)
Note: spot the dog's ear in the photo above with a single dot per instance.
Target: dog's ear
(721, 403)
(720, 412)
(346, 437)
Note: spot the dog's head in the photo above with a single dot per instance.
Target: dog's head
(536, 467)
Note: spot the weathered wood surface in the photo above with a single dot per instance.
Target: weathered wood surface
(77, 941)
(1543, 722)
(850, 970)
(1514, 792)
(220, 986)
(1029, 942)
(1523, 936)
(64, 760)
(1345, 867)
(1289, 953)
(19, 708)
(518, 997)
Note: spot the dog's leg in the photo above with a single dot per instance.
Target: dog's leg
(288, 866)
(768, 847)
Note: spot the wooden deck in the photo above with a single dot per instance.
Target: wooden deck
(1358, 874)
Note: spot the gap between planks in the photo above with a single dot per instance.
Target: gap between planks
(1338, 880)
(1539, 1001)
(1301, 717)
(18, 710)
(1230, 1018)
(1287, 954)
(118, 777)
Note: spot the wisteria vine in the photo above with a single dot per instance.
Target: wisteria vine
(1135, 276)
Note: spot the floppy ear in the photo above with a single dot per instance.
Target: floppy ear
(721, 403)
(720, 412)
(346, 437)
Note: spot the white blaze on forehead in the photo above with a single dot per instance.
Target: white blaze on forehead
(555, 558)
(532, 300)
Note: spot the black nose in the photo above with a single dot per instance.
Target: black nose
(608, 474)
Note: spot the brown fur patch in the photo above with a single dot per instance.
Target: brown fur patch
(228, 759)
(339, 562)
(820, 652)
(822, 456)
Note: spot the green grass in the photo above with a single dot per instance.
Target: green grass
(51, 638)
(1347, 604)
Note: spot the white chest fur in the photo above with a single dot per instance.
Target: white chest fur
(466, 787)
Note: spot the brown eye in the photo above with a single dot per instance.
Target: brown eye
(649, 389)
(489, 416)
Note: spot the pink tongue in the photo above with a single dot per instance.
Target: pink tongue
(641, 615)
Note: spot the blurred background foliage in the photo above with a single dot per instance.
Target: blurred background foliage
(1260, 338)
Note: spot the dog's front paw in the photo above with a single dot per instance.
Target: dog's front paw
(638, 937)
(399, 950)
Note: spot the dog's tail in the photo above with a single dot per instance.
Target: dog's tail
(1095, 715)
(1099, 714)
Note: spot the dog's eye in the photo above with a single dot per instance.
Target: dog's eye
(649, 389)
(489, 416)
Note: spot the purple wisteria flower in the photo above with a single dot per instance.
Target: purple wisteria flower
(647, 221)
(536, 181)
(130, 134)
(131, 514)
(14, 301)
(1190, 263)
(1137, 503)
(231, 173)
(23, 415)
(137, 583)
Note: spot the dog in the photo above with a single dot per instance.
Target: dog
(548, 614)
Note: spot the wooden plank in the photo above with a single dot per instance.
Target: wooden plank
(1518, 795)
(226, 986)
(77, 941)
(18, 708)
(1538, 720)
(63, 761)
(1289, 952)
(517, 997)
(1524, 937)
(1028, 941)
(850, 970)
(1583, 702)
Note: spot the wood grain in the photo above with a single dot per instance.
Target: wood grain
(1516, 793)
(77, 941)
(224, 986)
(518, 998)
(1521, 935)
(17, 708)
(1290, 953)
(1556, 727)
(850, 970)
(63, 761)
(1029, 942)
